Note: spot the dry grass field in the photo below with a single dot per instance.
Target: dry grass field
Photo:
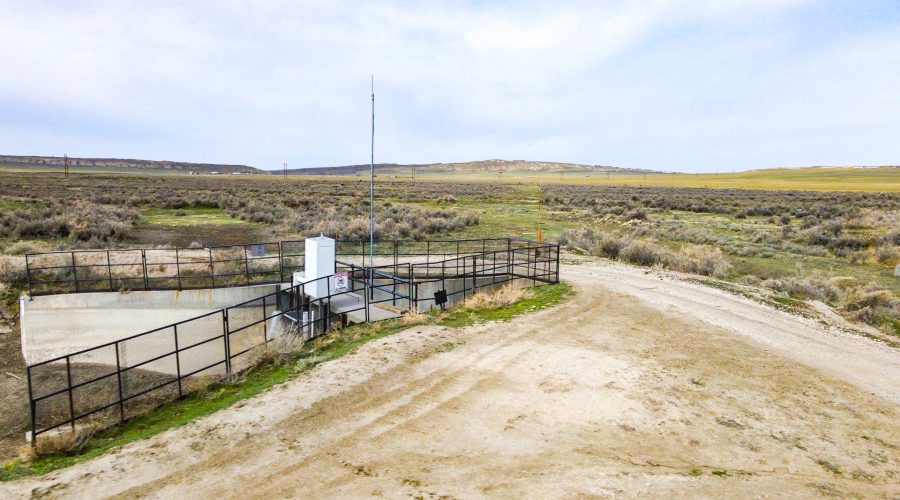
(875, 179)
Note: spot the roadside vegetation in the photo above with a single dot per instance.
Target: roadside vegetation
(835, 247)
(284, 360)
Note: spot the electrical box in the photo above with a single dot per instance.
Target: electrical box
(319, 261)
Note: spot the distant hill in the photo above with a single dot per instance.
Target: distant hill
(470, 167)
(120, 164)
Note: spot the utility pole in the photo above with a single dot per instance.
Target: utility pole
(285, 171)
(372, 184)
(66, 165)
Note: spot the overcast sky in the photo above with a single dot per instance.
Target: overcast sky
(696, 85)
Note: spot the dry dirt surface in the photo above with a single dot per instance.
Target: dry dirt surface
(642, 385)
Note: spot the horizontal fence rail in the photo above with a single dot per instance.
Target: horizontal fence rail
(185, 268)
(113, 382)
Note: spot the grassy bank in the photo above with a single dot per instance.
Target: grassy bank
(275, 371)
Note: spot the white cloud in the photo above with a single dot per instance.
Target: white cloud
(656, 84)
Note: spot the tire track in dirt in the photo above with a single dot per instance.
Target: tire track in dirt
(396, 403)
(856, 359)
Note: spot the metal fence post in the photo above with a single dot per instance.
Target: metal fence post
(281, 262)
(396, 256)
(225, 335)
(509, 258)
(212, 269)
(109, 271)
(69, 387)
(28, 273)
(297, 299)
(144, 264)
(246, 265)
(74, 271)
(119, 378)
(32, 407)
(366, 299)
(177, 359)
(178, 267)
(557, 263)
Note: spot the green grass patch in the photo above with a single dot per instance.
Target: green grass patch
(224, 394)
(191, 216)
(535, 299)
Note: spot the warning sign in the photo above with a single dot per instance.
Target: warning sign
(341, 282)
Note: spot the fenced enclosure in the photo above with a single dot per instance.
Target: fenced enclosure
(81, 271)
(118, 380)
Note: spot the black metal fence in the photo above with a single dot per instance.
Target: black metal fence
(118, 380)
(80, 271)
(125, 378)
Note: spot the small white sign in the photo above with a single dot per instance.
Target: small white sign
(341, 282)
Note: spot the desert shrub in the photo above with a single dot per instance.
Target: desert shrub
(636, 214)
(583, 238)
(610, 246)
(750, 279)
(180, 213)
(21, 248)
(873, 305)
(817, 237)
(12, 270)
(78, 221)
(63, 441)
(846, 243)
(871, 297)
(504, 296)
(708, 261)
(868, 303)
(763, 236)
(806, 287)
(886, 253)
(892, 238)
(643, 252)
(305, 207)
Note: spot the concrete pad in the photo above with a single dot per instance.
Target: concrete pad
(355, 304)
(57, 325)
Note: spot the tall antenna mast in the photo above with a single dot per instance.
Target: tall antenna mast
(284, 166)
(372, 184)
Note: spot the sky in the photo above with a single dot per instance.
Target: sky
(692, 86)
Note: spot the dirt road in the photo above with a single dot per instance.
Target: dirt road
(642, 385)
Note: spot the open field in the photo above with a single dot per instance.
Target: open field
(794, 242)
(698, 394)
(876, 179)
(58, 170)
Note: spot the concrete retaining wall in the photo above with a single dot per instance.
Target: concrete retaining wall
(56, 325)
